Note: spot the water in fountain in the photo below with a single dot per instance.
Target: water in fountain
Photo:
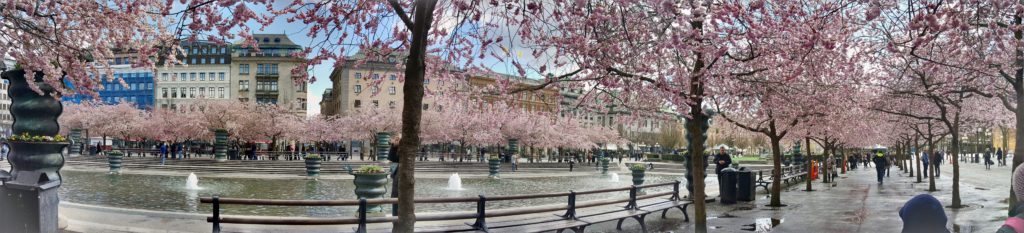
(615, 177)
(192, 182)
(455, 182)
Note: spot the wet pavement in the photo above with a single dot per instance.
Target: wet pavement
(857, 203)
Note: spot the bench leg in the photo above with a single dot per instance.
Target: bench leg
(579, 229)
(619, 225)
(643, 225)
(685, 215)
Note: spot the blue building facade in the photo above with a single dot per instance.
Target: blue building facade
(138, 91)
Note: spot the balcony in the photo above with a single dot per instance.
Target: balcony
(267, 75)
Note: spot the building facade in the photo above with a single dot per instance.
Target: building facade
(6, 120)
(265, 76)
(377, 84)
(204, 74)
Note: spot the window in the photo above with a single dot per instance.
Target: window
(202, 60)
(391, 90)
(220, 91)
(222, 60)
(149, 86)
(182, 76)
(272, 68)
(210, 92)
(192, 93)
(174, 93)
(202, 92)
(192, 76)
(243, 69)
(163, 77)
(358, 103)
(202, 77)
(376, 104)
(376, 76)
(193, 61)
(164, 91)
(393, 78)
(376, 89)
(243, 85)
(260, 69)
(391, 104)
(358, 89)
(220, 76)
(223, 50)
(359, 75)
(135, 86)
(204, 50)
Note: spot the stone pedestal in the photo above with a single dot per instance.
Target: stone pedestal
(28, 210)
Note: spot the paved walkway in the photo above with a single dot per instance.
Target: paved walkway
(857, 203)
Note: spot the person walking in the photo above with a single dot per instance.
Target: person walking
(988, 159)
(923, 214)
(936, 164)
(880, 164)
(722, 161)
(867, 160)
(571, 163)
(163, 152)
(999, 157)
(924, 161)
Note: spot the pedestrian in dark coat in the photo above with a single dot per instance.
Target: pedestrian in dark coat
(722, 161)
(988, 159)
(880, 164)
(923, 214)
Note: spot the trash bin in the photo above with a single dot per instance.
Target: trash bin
(727, 186)
(747, 187)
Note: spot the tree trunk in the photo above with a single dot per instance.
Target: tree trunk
(955, 145)
(1018, 151)
(412, 110)
(808, 165)
(931, 160)
(697, 169)
(776, 172)
(917, 157)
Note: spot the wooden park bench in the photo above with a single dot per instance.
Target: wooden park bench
(789, 174)
(574, 216)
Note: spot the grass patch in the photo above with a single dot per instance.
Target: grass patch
(747, 158)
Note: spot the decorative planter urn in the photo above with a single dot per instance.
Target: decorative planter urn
(114, 158)
(34, 164)
(604, 165)
(220, 145)
(76, 144)
(313, 165)
(638, 177)
(494, 166)
(371, 186)
(383, 146)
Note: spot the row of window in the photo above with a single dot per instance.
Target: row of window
(391, 104)
(261, 69)
(203, 61)
(139, 100)
(359, 89)
(191, 76)
(191, 93)
(207, 50)
(377, 77)
(130, 87)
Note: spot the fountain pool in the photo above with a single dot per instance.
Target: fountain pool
(165, 193)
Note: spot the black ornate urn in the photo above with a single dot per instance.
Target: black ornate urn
(34, 164)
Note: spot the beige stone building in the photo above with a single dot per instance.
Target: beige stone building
(265, 76)
(372, 84)
(377, 84)
(205, 74)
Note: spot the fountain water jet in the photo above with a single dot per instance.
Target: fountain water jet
(615, 177)
(192, 182)
(455, 182)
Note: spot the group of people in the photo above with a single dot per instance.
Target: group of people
(999, 156)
